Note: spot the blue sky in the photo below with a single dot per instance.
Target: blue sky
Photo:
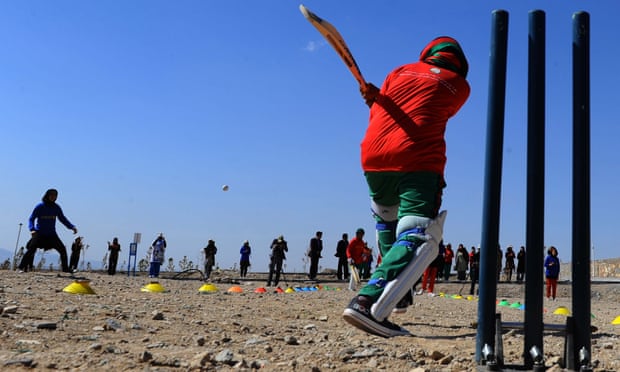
(138, 112)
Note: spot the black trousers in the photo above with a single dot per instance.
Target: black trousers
(275, 267)
(112, 262)
(46, 242)
(314, 267)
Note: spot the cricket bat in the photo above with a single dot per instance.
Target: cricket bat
(355, 274)
(336, 40)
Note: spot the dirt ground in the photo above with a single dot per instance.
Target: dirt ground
(122, 327)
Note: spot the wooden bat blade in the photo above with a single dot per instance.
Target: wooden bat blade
(333, 37)
(355, 274)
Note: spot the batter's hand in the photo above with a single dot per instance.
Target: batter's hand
(370, 93)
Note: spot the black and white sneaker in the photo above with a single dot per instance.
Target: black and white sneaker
(358, 315)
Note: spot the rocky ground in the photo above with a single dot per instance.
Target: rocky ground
(121, 327)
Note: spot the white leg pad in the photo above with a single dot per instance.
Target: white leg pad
(424, 255)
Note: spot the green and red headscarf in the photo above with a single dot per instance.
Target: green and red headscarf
(446, 52)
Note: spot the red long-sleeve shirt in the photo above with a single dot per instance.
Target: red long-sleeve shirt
(408, 119)
(355, 250)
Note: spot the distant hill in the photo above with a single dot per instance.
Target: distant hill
(5, 253)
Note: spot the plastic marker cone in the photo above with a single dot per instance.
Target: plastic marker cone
(561, 311)
(522, 307)
(515, 305)
(289, 290)
(207, 288)
(470, 298)
(79, 287)
(457, 297)
(504, 303)
(153, 287)
(279, 290)
(235, 289)
(616, 321)
(260, 290)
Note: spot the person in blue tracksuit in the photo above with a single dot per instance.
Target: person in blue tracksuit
(42, 226)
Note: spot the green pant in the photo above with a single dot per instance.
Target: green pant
(416, 194)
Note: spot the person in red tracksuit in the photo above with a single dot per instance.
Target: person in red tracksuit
(355, 254)
(448, 255)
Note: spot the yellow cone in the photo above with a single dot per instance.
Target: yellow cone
(289, 290)
(562, 310)
(616, 321)
(153, 287)
(79, 287)
(208, 288)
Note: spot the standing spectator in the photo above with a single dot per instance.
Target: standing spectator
(403, 156)
(341, 253)
(316, 247)
(279, 247)
(209, 252)
(521, 265)
(76, 248)
(498, 267)
(448, 255)
(461, 263)
(158, 254)
(510, 263)
(366, 262)
(472, 252)
(114, 249)
(430, 274)
(474, 269)
(552, 272)
(355, 251)
(244, 261)
(43, 232)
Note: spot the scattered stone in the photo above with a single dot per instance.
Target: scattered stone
(26, 362)
(9, 310)
(254, 341)
(437, 355)
(200, 340)
(112, 325)
(225, 356)
(27, 342)
(146, 356)
(157, 315)
(446, 360)
(366, 353)
(291, 340)
(46, 325)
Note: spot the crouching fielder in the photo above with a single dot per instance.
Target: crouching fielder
(403, 157)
